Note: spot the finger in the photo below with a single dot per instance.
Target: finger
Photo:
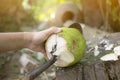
(50, 31)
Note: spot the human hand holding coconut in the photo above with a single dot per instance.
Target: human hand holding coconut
(70, 47)
(38, 39)
(63, 49)
(32, 40)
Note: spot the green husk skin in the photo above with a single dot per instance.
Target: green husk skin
(75, 43)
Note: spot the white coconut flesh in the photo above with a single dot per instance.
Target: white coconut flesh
(65, 57)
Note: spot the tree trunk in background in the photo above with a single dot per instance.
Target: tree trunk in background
(92, 14)
(103, 14)
(114, 16)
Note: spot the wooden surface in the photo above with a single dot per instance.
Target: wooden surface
(91, 67)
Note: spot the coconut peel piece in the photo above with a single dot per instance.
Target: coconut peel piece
(109, 57)
(96, 51)
(70, 47)
(109, 47)
(117, 50)
(112, 56)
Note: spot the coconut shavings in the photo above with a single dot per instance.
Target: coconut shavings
(109, 57)
(109, 46)
(112, 56)
(117, 50)
(96, 51)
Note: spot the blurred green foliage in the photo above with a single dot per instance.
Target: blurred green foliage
(44, 10)
(14, 14)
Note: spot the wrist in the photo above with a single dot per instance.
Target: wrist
(28, 37)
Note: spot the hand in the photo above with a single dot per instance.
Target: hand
(39, 38)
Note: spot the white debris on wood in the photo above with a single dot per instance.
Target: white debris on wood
(51, 75)
(117, 50)
(104, 42)
(109, 46)
(25, 60)
(96, 51)
(112, 56)
(109, 57)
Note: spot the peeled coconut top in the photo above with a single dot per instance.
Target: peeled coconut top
(70, 46)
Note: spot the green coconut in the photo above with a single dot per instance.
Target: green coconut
(70, 47)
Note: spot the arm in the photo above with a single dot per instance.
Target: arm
(14, 41)
(32, 40)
